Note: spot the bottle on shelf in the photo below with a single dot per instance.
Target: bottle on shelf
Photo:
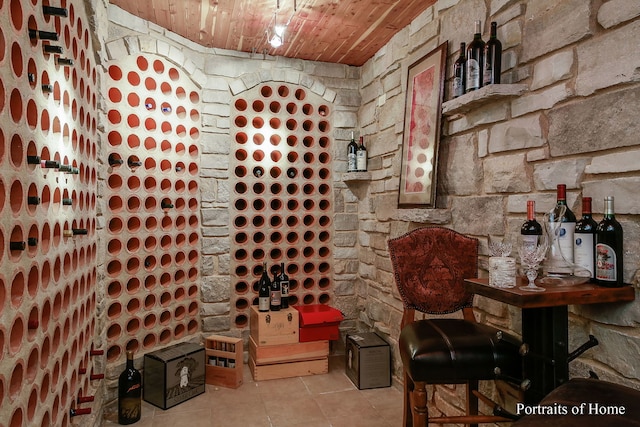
(361, 156)
(65, 168)
(85, 399)
(275, 296)
(67, 62)
(264, 290)
(33, 160)
(33, 200)
(567, 229)
(74, 412)
(531, 229)
(47, 88)
(492, 58)
(584, 239)
(475, 61)
(115, 160)
(17, 246)
(166, 204)
(459, 72)
(284, 287)
(67, 201)
(133, 162)
(54, 11)
(352, 150)
(609, 255)
(49, 164)
(52, 49)
(32, 241)
(42, 35)
(129, 393)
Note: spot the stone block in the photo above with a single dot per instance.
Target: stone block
(627, 161)
(491, 113)
(516, 134)
(625, 191)
(215, 289)
(625, 343)
(215, 217)
(605, 61)
(568, 171)
(469, 215)
(542, 100)
(216, 324)
(582, 127)
(552, 69)
(510, 34)
(553, 24)
(615, 12)
(506, 174)
(462, 171)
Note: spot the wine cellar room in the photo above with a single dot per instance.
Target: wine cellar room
(156, 156)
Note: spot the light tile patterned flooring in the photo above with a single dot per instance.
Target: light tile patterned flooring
(329, 400)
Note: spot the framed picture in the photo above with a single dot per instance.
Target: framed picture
(425, 87)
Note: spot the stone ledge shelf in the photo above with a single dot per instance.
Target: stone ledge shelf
(484, 95)
(424, 216)
(356, 177)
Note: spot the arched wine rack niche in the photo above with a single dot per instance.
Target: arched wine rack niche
(282, 207)
(48, 240)
(153, 198)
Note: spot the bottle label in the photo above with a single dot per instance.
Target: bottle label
(565, 240)
(284, 285)
(130, 408)
(263, 304)
(530, 241)
(473, 74)
(583, 251)
(351, 162)
(458, 87)
(361, 160)
(487, 71)
(606, 263)
(275, 298)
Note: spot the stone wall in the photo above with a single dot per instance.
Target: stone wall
(576, 124)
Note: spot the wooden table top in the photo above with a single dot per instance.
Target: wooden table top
(553, 296)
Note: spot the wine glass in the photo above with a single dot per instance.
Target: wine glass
(532, 253)
(499, 248)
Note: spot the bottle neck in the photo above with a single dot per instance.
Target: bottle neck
(463, 48)
(129, 360)
(494, 30)
(531, 210)
(586, 207)
(562, 194)
(478, 30)
(608, 208)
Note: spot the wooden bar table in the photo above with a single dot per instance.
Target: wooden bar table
(545, 327)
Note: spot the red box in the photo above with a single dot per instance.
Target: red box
(319, 322)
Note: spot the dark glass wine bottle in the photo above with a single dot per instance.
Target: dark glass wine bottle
(43, 35)
(609, 255)
(492, 58)
(531, 229)
(166, 204)
(54, 11)
(67, 62)
(284, 287)
(475, 61)
(54, 49)
(352, 150)
(584, 239)
(115, 160)
(129, 393)
(133, 162)
(264, 290)
(361, 156)
(567, 230)
(459, 72)
(17, 246)
(275, 296)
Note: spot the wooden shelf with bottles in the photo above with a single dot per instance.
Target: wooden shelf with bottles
(472, 100)
(224, 361)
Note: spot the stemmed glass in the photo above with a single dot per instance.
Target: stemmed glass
(532, 253)
(499, 248)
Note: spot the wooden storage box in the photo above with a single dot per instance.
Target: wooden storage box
(173, 374)
(274, 327)
(224, 361)
(288, 360)
(288, 369)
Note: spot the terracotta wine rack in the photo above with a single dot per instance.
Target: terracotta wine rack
(282, 205)
(48, 283)
(153, 201)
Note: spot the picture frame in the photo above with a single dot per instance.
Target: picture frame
(422, 118)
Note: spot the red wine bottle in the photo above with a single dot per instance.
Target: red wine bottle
(284, 287)
(361, 156)
(459, 72)
(609, 255)
(352, 150)
(54, 11)
(492, 58)
(50, 48)
(567, 227)
(129, 393)
(531, 229)
(275, 297)
(43, 35)
(584, 239)
(114, 160)
(264, 290)
(475, 61)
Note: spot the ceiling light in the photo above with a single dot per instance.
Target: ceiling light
(276, 41)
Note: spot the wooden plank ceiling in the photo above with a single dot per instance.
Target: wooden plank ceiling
(339, 31)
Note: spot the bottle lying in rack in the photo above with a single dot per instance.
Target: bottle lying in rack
(54, 11)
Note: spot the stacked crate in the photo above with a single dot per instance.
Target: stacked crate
(275, 350)
(224, 361)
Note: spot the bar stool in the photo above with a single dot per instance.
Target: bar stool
(430, 265)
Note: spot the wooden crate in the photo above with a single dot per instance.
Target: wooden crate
(274, 327)
(224, 361)
(288, 369)
(269, 354)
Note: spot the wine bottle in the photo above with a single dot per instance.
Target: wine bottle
(114, 160)
(33, 200)
(275, 298)
(64, 61)
(33, 160)
(492, 58)
(475, 61)
(531, 229)
(361, 156)
(85, 399)
(133, 162)
(284, 287)
(43, 35)
(459, 72)
(49, 164)
(74, 412)
(264, 290)
(47, 88)
(50, 48)
(129, 393)
(352, 149)
(609, 255)
(67, 201)
(17, 246)
(54, 11)
(166, 204)
(567, 229)
(584, 242)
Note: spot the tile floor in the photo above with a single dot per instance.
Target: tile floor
(329, 400)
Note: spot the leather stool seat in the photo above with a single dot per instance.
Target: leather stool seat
(455, 351)
(588, 392)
